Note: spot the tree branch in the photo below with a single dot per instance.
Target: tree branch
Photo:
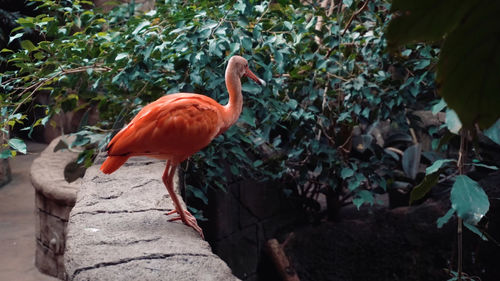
(354, 15)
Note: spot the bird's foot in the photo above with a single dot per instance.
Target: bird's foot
(188, 219)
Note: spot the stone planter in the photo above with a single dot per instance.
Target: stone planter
(5, 175)
(54, 199)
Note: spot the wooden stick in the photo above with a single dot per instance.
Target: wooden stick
(285, 269)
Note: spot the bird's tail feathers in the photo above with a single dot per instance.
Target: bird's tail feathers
(112, 163)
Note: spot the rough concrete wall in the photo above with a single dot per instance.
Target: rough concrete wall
(118, 230)
(242, 220)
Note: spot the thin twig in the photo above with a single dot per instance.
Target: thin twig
(338, 77)
(218, 24)
(39, 84)
(448, 177)
(393, 149)
(346, 142)
(412, 132)
(353, 16)
(263, 14)
(9, 80)
(323, 103)
(460, 165)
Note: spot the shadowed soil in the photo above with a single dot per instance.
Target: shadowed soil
(398, 244)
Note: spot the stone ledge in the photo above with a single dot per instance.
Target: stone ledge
(118, 230)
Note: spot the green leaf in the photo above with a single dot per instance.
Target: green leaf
(452, 121)
(234, 47)
(141, 26)
(485, 166)
(438, 106)
(80, 141)
(121, 56)
(15, 36)
(355, 182)
(246, 43)
(198, 193)
(424, 20)
(343, 116)
(422, 64)
(234, 170)
(358, 83)
(469, 58)
(44, 120)
(364, 196)
(346, 173)
(257, 163)
(411, 160)
(25, 20)
(248, 117)
(18, 144)
(240, 6)
(437, 165)
(28, 45)
(348, 3)
(292, 104)
(5, 154)
(424, 187)
(476, 231)
(467, 71)
(251, 87)
(406, 52)
(468, 199)
(444, 219)
(493, 132)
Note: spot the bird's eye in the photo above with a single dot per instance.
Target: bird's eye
(246, 65)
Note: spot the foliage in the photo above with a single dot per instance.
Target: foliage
(468, 45)
(455, 24)
(330, 85)
(466, 71)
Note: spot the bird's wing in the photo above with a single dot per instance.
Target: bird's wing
(174, 126)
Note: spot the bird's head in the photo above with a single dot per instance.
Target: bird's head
(240, 66)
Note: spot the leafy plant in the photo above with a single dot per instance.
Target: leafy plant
(468, 91)
(330, 86)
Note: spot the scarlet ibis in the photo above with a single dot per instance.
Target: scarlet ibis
(176, 126)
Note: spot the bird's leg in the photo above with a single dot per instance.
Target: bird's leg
(184, 215)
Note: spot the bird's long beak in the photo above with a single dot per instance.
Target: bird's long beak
(254, 77)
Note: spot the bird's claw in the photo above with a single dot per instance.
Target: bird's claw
(188, 219)
(174, 211)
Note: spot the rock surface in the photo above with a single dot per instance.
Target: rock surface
(118, 230)
(54, 198)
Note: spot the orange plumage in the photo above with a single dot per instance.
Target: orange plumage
(173, 127)
(176, 126)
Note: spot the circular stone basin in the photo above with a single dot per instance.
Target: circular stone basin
(54, 199)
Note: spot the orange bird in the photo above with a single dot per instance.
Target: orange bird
(176, 126)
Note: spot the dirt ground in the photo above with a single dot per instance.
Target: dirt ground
(17, 222)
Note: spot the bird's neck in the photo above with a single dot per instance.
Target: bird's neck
(233, 108)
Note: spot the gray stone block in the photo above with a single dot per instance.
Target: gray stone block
(118, 230)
